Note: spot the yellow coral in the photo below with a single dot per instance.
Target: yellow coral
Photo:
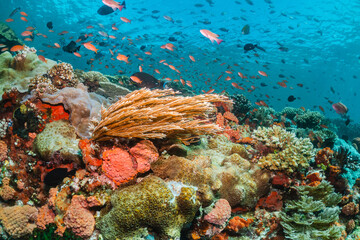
(289, 152)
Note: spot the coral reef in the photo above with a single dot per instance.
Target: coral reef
(16, 72)
(154, 203)
(159, 114)
(241, 105)
(84, 110)
(58, 137)
(288, 153)
(18, 221)
(310, 119)
(314, 214)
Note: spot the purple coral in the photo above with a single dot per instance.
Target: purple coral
(84, 110)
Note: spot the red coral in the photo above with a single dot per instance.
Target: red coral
(45, 217)
(220, 213)
(237, 223)
(281, 180)
(88, 153)
(220, 120)
(273, 202)
(323, 156)
(145, 153)
(118, 165)
(52, 112)
(314, 177)
(78, 218)
(229, 116)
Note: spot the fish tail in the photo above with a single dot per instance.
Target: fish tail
(219, 41)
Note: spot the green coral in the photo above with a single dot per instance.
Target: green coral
(153, 203)
(313, 215)
(49, 234)
(263, 116)
(310, 119)
(291, 112)
(58, 136)
(289, 153)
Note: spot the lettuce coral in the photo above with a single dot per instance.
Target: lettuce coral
(288, 153)
(313, 215)
(153, 203)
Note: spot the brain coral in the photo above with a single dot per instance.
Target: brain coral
(58, 136)
(218, 168)
(289, 153)
(162, 206)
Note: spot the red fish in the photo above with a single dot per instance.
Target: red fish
(340, 108)
(114, 5)
(262, 73)
(124, 19)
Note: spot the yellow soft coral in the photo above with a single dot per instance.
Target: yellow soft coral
(289, 152)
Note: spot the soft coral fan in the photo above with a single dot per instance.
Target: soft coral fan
(288, 153)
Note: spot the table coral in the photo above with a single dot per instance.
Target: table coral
(78, 218)
(289, 153)
(118, 165)
(18, 221)
(153, 203)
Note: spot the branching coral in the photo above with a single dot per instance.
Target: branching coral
(289, 152)
(156, 114)
(313, 216)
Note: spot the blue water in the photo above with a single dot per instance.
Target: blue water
(322, 40)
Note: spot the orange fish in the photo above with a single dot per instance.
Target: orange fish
(63, 32)
(42, 58)
(172, 67)
(302, 108)
(228, 72)
(235, 85)
(26, 33)
(77, 54)
(121, 57)
(30, 28)
(112, 53)
(157, 71)
(263, 73)
(189, 84)
(17, 48)
(24, 19)
(24, 14)
(57, 45)
(4, 49)
(192, 58)
(112, 36)
(228, 78)
(124, 19)
(88, 27)
(241, 75)
(9, 20)
(148, 53)
(136, 79)
(210, 91)
(321, 108)
(114, 28)
(28, 39)
(140, 69)
(282, 84)
(91, 47)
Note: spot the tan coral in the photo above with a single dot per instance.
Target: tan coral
(7, 192)
(78, 218)
(18, 221)
(45, 217)
(3, 150)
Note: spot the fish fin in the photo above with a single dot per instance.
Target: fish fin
(124, 5)
(219, 41)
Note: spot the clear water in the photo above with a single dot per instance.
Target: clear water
(322, 38)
